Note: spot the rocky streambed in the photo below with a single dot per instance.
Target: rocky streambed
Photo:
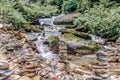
(59, 52)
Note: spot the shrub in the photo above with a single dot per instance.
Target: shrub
(101, 21)
(69, 6)
(16, 19)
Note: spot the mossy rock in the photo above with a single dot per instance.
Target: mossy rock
(54, 42)
(33, 28)
(71, 37)
(79, 44)
(76, 33)
(82, 45)
(67, 19)
(65, 31)
(70, 26)
(81, 34)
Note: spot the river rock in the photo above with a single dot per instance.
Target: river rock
(36, 78)
(24, 78)
(101, 55)
(4, 71)
(35, 28)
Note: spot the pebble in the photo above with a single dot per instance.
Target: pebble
(24, 78)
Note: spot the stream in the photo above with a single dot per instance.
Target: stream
(49, 29)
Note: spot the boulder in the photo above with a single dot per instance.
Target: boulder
(82, 46)
(67, 19)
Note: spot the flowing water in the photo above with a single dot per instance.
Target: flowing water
(49, 29)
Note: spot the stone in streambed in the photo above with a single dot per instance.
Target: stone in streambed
(101, 55)
(53, 42)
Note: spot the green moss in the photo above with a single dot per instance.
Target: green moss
(81, 34)
(84, 44)
(71, 37)
(76, 33)
(65, 31)
(53, 41)
(33, 28)
(89, 45)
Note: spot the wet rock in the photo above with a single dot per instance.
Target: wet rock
(82, 46)
(96, 77)
(104, 76)
(30, 65)
(15, 77)
(100, 65)
(76, 33)
(101, 55)
(33, 28)
(4, 71)
(54, 42)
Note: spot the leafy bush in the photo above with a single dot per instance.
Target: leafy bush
(101, 21)
(69, 6)
(21, 12)
(16, 19)
(11, 15)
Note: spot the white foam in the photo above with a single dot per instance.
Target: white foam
(1, 26)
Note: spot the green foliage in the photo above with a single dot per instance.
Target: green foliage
(16, 19)
(53, 42)
(21, 13)
(85, 4)
(69, 6)
(101, 21)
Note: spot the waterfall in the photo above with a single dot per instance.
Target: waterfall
(49, 29)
